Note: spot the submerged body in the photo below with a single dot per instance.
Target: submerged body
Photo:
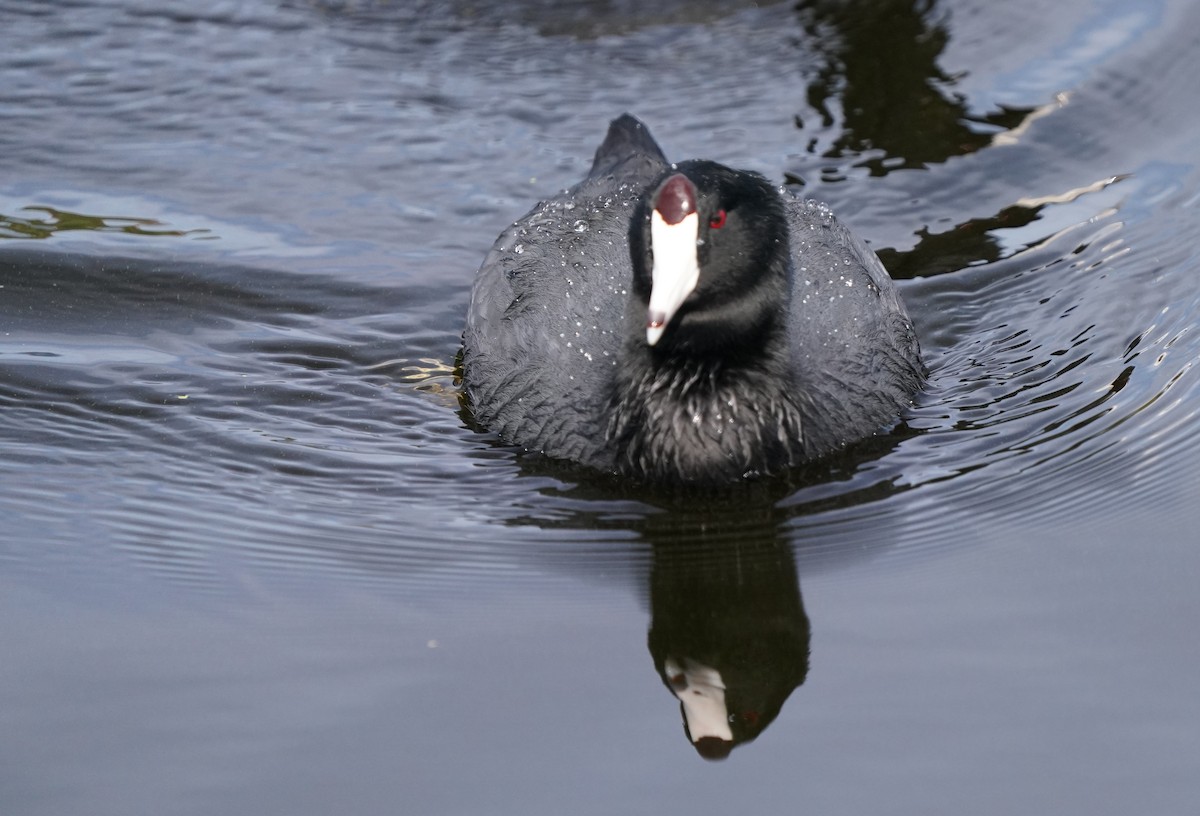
(684, 323)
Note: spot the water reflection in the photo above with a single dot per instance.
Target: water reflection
(882, 92)
(53, 221)
(728, 632)
(976, 241)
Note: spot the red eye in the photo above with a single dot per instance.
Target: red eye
(718, 219)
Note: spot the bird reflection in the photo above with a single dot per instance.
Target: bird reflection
(728, 632)
(729, 636)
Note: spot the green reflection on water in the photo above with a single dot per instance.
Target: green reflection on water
(54, 221)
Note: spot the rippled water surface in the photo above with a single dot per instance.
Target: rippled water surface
(255, 558)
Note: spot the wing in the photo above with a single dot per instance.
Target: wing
(547, 310)
(855, 355)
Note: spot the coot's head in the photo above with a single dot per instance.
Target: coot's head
(710, 258)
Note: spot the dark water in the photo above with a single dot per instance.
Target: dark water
(254, 559)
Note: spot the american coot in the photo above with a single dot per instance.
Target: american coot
(684, 323)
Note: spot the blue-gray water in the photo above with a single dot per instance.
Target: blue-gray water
(254, 558)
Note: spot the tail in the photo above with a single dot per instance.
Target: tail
(628, 141)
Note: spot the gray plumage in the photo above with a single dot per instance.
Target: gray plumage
(815, 352)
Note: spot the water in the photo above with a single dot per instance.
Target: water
(254, 558)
